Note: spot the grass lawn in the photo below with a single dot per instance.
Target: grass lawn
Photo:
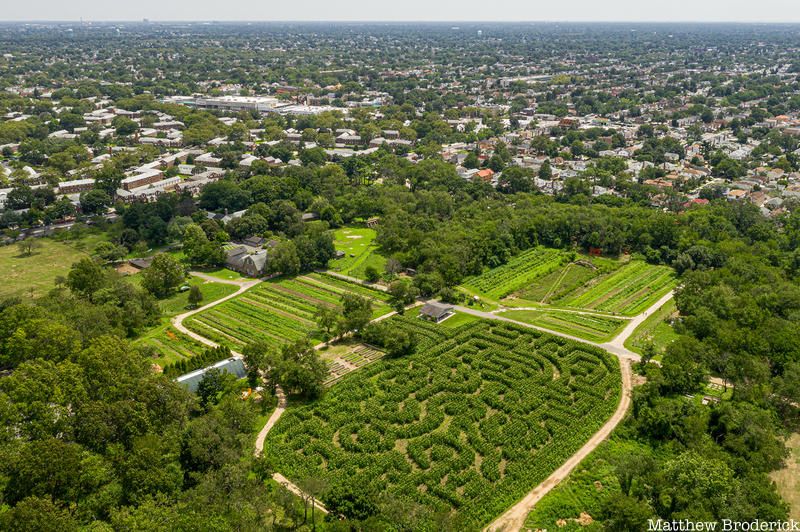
(586, 326)
(34, 275)
(225, 274)
(179, 302)
(458, 320)
(654, 329)
(169, 344)
(360, 251)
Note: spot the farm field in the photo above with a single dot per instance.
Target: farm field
(587, 326)
(654, 329)
(169, 345)
(562, 281)
(520, 271)
(467, 424)
(628, 291)
(360, 251)
(278, 311)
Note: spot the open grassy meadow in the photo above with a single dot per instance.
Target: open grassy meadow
(358, 245)
(33, 275)
(656, 330)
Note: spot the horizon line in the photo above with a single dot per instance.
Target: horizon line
(145, 20)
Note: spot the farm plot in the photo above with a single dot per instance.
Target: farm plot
(278, 312)
(520, 271)
(628, 291)
(169, 346)
(467, 425)
(587, 326)
(564, 280)
(357, 243)
(358, 357)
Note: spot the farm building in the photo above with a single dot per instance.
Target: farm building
(192, 380)
(435, 311)
(241, 260)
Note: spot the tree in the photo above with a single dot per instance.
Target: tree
(399, 343)
(124, 126)
(195, 296)
(163, 276)
(623, 513)
(402, 293)
(283, 259)
(327, 319)
(301, 370)
(95, 201)
(28, 246)
(210, 387)
(356, 311)
(37, 514)
(85, 277)
(199, 250)
(108, 251)
(371, 274)
(546, 171)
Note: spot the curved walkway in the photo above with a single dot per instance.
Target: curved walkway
(177, 321)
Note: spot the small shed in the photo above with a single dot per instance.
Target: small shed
(436, 311)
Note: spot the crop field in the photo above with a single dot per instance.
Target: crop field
(170, 346)
(587, 326)
(628, 291)
(358, 357)
(360, 251)
(564, 280)
(278, 312)
(468, 424)
(520, 271)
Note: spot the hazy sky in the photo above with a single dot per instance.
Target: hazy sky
(406, 10)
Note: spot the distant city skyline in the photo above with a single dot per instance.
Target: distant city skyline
(410, 10)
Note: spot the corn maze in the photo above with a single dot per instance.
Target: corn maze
(467, 424)
(278, 312)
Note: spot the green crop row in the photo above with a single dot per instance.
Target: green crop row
(516, 273)
(468, 424)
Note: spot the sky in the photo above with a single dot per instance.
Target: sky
(405, 10)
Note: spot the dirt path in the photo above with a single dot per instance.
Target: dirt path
(177, 321)
(354, 280)
(514, 518)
